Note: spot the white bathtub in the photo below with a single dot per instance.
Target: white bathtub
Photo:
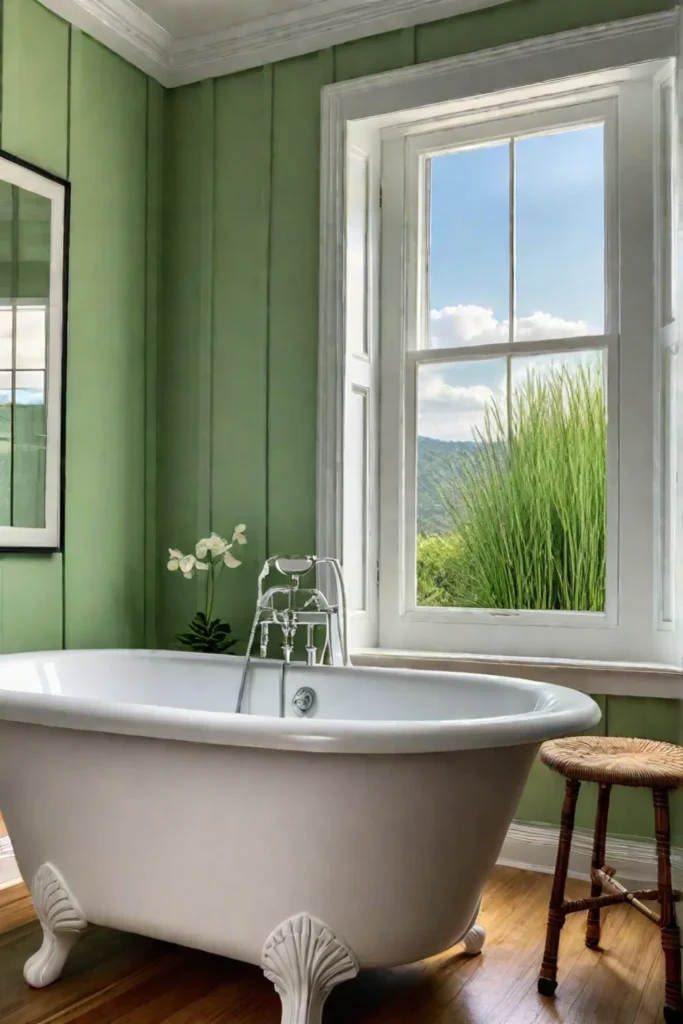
(359, 836)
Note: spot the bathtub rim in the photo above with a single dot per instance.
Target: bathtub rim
(573, 712)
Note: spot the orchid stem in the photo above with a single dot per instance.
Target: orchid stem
(210, 586)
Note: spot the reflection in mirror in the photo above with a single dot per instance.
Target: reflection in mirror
(31, 310)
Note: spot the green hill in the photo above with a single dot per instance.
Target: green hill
(439, 463)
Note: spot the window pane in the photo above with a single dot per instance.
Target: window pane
(515, 516)
(31, 337)
(5, 336)
(458, 403)
(32, 269)
(5, 447)
(560, 234)
(469, 248)
(30, 430)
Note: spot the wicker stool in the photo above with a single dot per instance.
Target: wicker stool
(612, 761)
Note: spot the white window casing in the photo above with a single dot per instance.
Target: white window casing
(377, 135)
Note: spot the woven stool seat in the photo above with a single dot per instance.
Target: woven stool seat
(616, 760)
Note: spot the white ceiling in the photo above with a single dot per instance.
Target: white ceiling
(181, 41)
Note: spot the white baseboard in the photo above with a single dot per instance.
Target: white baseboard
(9, 870)
(534, 848)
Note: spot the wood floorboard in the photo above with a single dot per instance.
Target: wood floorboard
(114, 978)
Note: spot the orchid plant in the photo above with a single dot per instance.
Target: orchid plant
(211, 555)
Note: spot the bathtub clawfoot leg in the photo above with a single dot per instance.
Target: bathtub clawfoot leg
(474, 940)
(62, 922)
(305, 960)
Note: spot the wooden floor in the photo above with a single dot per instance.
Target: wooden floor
(112, 977)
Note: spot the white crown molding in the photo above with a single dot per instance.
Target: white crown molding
(124, 28)
(313, 27)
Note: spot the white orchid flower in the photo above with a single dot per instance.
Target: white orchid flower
(174, 559)
(202, 547)
(187, 566)
(214, 545)
(238, 534)
(230, 559)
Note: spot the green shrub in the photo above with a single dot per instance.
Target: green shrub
(529, 512)
(437, 568)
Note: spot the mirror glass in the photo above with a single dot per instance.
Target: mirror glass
(31, 343)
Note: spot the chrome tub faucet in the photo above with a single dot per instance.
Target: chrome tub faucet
(290, 606)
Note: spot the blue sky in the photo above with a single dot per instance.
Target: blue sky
(559, 222)
(559, 261)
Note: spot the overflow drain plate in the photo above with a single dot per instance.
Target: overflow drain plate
(303, 701)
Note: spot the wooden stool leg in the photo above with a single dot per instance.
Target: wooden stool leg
(671, 936)
(547, 982)
(598, 862)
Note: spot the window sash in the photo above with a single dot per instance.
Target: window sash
(418, 151)
(629, 137)
(589, 620)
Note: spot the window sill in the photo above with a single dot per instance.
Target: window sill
(613, 678)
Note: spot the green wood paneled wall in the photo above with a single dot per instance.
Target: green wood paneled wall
(74, 108)
(238, 357)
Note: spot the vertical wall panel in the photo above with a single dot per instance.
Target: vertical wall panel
(179, 397)
(240, 355)
(35, 84)
(373, 55)
(293, 308)
(155, 124)
(105, 422)
(35, 75)
(205, 340)
(631, 811)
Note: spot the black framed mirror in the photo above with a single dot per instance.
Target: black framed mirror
(34, 234)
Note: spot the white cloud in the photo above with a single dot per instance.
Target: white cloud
(448, 411)
(453, 326)
(453, 397)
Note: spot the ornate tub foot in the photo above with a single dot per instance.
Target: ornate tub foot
(474, 940)
(62, 922)
(305, 960)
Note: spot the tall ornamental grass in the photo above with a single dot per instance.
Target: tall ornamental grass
(529, 512)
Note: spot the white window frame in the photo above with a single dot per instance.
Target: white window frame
(407, 114)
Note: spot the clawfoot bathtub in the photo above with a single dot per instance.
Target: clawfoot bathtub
(357, 836)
